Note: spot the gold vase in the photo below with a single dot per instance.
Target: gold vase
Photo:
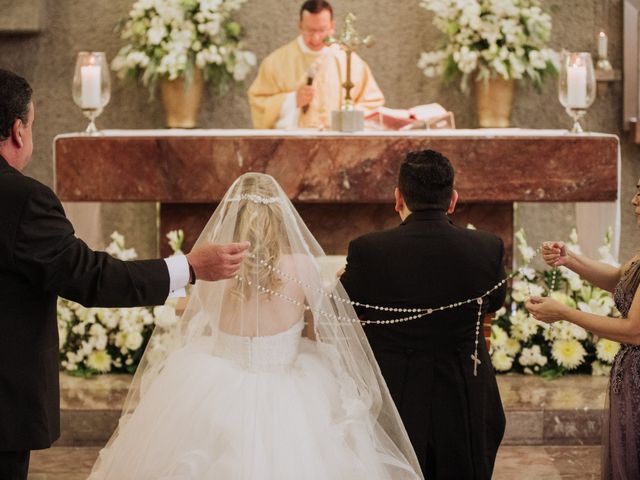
(494, 100)
(181, 102)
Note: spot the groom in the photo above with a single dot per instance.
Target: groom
(40, 258)
(454, 418)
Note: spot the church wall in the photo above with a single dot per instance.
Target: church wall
(402, 31)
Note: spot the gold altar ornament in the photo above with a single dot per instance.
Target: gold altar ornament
(348, 119)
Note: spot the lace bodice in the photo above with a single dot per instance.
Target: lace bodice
(261, 353)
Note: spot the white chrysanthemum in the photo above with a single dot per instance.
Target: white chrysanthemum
(498, 336)
(109, 318)
(134, 340)
(606, 350)
(568, 353)
(501, 312)
(512, 346)
(523, 325)
(64, 313)
(532, 356)
(120, 339)
(165, 316)
(564, 330)
(501, 361)
(599, 369)
(63, 333)
(79, 329)
(99, 360)
(522, 289)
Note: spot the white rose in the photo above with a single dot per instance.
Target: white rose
(134, 340)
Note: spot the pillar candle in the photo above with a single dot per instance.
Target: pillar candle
(577, 86)
(602, 45)
(91, 91)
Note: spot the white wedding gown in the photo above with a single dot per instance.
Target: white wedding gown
(264, 408)
(270, 376)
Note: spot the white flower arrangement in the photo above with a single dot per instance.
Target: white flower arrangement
(519, 343)
(111, 340)
(504, 38)
(171, 38)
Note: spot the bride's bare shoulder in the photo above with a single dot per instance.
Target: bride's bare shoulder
(293, 262)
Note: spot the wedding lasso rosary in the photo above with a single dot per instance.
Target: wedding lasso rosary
(416, 312)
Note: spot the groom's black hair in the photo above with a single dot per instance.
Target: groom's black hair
(426, 180)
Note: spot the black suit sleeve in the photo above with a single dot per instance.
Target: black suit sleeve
(352, 279)
(497, 298)
(48, 253)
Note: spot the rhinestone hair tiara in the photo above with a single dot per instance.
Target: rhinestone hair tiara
(254, 198)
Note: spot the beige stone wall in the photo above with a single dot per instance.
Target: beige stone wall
(402, 30)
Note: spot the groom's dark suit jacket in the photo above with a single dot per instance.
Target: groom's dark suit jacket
(454, 419)
(40, 258)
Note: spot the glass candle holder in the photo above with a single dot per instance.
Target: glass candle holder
(576, 85)
(91, 86)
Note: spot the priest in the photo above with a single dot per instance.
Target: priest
(300, 83)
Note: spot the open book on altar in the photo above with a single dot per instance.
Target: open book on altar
(429, 116)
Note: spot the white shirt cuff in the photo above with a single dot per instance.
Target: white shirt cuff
(289, 113)
(178, 275)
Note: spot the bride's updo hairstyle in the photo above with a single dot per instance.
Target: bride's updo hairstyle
(260, 221)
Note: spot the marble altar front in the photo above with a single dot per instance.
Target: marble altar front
(342, 184)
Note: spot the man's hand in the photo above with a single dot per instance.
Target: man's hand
(304, 95)
(213, 262)
(546, 309)
(555, 254)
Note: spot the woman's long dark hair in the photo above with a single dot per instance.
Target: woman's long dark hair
(631, 276)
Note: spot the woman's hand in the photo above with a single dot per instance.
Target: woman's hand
(547, 309)
(555, 254)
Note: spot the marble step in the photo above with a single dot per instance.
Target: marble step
(566, 411)
(515, 462)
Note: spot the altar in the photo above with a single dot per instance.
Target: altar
(342, 184)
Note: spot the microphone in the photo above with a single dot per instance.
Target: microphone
(311, 74)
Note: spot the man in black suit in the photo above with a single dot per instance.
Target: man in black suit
(40, 258)
(453, 416)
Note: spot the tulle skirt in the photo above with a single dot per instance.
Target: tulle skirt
(206, 417)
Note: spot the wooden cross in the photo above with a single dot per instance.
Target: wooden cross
(476, 362)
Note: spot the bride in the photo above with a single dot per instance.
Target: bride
(267, 376)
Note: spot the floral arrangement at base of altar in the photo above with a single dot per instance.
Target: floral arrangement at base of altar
(171, 38)
(111, 340)
(504, 38)
(520, 343)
